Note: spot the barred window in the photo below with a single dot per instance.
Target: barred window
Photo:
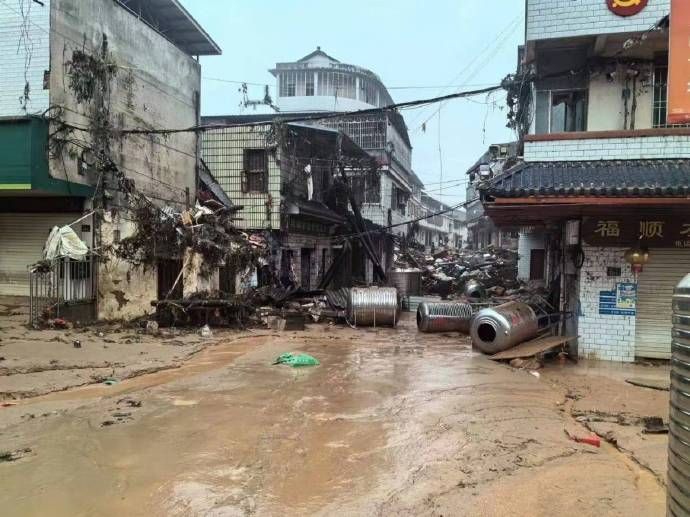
(309, 88)
(255, 177)
(660, 101)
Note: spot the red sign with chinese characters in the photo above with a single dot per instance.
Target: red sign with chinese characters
(626, 7)
(655, 231)
(678, 111)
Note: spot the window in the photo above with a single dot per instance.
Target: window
(339, 84)
(309, 88)
(561, 111)
(255, 177)
(288, 81)
(373, 188)
(660, 101)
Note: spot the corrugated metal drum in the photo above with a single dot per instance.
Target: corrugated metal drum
(408, 282)
(444, 317)
(678, 500)
(373, 306)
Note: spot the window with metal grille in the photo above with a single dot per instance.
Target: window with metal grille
(255, 177)
(660, 101)
(309, 88)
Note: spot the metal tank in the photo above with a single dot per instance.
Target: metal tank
(474, 290)
(502, 327)
(408, 282)
(373, 307)
(678, 486)
(444, 317)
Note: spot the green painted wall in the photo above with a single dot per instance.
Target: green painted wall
(24, 160)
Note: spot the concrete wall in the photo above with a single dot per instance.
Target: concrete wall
(124, 292)
(567, 18)
(24, 56)
(316, 244)
(526, 243)
(320, 103)
(605, 110)
(156, 86)
(603, 336)
(634, 148)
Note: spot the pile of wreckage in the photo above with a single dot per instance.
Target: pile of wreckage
(450, 273)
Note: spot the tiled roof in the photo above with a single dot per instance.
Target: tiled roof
(608, 178)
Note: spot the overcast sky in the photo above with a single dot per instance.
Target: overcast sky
(462, 43)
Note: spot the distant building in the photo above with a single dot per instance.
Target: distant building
(481, 231)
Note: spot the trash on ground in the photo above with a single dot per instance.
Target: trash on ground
(297, 360)
(654, 425)
(205, 332)
(654, 384)
(593, 440)
(110, 382)
(76, 343)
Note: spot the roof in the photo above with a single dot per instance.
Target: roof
(211, 184)
(395, 118)
(170, 19)
(317, 52)
(606, 178)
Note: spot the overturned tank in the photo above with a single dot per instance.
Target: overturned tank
(373, 307)
(444, 317)
(502, 327)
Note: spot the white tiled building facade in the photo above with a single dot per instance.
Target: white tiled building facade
(24, 57)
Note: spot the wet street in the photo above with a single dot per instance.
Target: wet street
(390, 423)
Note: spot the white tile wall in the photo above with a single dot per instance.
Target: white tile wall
(526, 243)
(604, 337)
(637, 148)
(566, 18)
(24, 56)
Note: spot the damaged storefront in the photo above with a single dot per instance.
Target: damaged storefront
(617, 250)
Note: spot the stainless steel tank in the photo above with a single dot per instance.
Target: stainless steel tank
(408, 282)
(373, 306)
(474, 290)
(678, 486)
(444, 317)
(502, 327)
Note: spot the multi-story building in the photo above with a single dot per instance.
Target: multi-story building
(605, 179)
(442, 226)
(73, 73)
(319, 83)
(481, 231)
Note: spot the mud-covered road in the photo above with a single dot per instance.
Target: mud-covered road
(391, 423)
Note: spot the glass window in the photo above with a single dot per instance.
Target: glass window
(568, 111)
(309, 88)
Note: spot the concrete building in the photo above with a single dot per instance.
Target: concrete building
(74, 72)
(319, 83)
(481, 231)
(446, 229)
(603, 174)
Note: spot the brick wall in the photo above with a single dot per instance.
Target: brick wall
(605, 337)
(566, 18)
(24, 56)
(638, 148)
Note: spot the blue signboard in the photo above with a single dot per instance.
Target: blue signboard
(620, 302)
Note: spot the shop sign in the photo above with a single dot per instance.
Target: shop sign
(652, 231)
(620, 302)
(626, 7)
(678, 111)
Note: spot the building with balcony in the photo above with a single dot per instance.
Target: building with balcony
(602, 175)
(72, 72)
(442, 225)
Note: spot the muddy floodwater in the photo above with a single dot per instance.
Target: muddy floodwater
(391, 423)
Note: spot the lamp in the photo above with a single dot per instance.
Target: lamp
(637, 258)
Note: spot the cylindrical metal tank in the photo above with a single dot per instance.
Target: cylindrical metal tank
(373, 306)
(444, 317)
(408, 282)
(678, 486)
(474, 290)
(502, 327)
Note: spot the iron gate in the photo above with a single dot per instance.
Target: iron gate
(61, 283)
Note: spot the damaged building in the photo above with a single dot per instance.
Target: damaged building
(602, 193)
(77, 81)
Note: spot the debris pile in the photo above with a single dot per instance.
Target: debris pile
(448, 272)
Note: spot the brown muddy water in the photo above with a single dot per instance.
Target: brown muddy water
(392, 422)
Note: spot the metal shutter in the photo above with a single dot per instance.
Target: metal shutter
(22, 237)
(655, 288)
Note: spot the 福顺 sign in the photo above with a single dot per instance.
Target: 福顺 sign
(652, 231)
